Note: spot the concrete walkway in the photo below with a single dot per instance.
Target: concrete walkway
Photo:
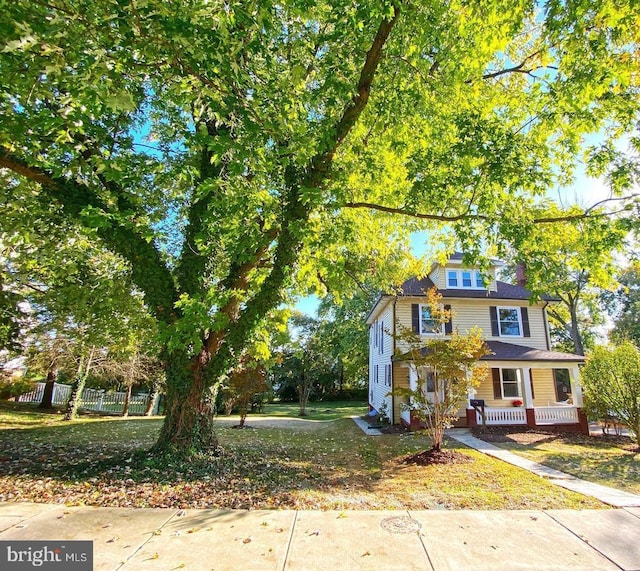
(168, 539)
(605, 494)
(366, 428)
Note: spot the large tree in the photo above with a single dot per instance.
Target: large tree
(573, 262)
(625, 305)
(231, 150)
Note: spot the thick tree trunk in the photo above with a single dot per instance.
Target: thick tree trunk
(154, 397)
(190, 408)
(575, 331)
(71, 411)
(47, 397)
(151, 403)
(127, 400)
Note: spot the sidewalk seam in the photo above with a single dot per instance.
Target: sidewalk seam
(424, 547)
(582, 539)
(123, 563)
(293, 527)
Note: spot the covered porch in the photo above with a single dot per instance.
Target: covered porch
(523, 387)
(529, 387)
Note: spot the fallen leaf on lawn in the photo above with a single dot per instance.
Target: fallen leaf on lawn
(246, 540)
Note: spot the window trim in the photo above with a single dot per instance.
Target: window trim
(520, 324)
(475, 276)
(518, 384)
(431, 332)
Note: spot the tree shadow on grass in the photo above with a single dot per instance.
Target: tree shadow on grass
(246, 473)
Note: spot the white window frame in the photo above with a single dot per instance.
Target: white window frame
(518, 312)
(431, 331)
(518, 385)
(475, 277)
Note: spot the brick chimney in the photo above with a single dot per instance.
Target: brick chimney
(521, 274)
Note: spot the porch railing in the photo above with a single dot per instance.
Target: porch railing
(500, 416)
(556, 415)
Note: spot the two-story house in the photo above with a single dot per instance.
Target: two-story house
(526, 383)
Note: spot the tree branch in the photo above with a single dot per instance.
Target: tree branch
(155, 280)
(295, 215)
(321, 162)
(586, 213)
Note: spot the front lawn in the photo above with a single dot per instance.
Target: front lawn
(608, 460)
(322, 410)
(334, 465)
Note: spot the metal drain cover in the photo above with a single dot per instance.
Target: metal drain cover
(400, 524)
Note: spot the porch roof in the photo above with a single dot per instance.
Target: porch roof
(501, 351)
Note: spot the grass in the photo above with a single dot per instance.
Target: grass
(104, 462)
(611, 461)
(324, 410)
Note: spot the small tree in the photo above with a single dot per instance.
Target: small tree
(445, 368)
(611, 381)
(246, 382)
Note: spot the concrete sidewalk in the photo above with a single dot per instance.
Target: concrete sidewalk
(165, 539)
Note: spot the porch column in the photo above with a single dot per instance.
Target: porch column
(471, 412)
(413, 377)
(527, 395)
(576, 389)
(576, 395)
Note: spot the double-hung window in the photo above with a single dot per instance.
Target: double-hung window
(510, 384)
(428, 325)
(509, 322)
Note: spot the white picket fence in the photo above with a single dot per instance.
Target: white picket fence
(91, 399)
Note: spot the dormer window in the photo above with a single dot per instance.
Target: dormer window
(465, 279)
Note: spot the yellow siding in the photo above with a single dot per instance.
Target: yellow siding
(543, 387)
(467, 313)
(400, 380)
(437, 277)
(485, 391)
